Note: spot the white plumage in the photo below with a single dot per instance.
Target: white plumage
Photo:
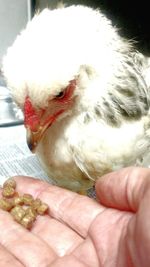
(105, 124)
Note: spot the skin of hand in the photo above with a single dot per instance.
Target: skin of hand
(113, 231)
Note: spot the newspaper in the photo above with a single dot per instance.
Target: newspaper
(15, 157)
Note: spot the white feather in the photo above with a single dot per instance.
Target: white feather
(79, 42)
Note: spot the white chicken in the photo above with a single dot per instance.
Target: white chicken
(85, 95)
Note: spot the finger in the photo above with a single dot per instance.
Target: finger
(123, 189)
(7, 259)
(69, 260)
(68, 207)
(60, 237)
(24, 245)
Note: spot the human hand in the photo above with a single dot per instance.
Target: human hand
(80, 232)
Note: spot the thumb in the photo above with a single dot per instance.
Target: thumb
(123, 189)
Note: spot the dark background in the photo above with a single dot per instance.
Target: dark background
(131, 17)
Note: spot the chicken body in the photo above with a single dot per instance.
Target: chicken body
(103, 123)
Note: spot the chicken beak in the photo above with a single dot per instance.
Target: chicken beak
(33, 138)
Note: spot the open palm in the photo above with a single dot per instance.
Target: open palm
(113, 231)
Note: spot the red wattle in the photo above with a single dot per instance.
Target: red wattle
(31, 119)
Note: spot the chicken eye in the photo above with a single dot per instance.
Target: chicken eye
(60, 95)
